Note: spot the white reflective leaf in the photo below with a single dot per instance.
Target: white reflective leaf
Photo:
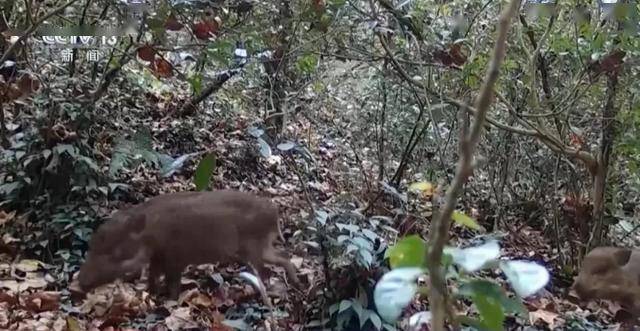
(265, 149)
(417, 320)
(286, 146)
(253, 280)
(394, 291)
(237, 324)
(255, 132)
(526, 277)
(474, 258)
(172, 167)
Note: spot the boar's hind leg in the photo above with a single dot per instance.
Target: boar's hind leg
(270, 255)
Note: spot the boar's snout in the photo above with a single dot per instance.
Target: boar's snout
(94, 272)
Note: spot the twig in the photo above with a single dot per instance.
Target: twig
(4, 141)
(439, 233)
(291, 162)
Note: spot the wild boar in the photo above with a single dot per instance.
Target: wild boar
(172, 231)
(611, 273)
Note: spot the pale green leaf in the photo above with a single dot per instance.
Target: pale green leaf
(464, 220)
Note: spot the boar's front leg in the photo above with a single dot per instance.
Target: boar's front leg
(173, 275)
(271, 255)
(155, 271)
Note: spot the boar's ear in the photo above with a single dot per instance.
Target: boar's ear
(622, 256)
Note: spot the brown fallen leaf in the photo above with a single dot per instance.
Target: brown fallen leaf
(6, 217)
(217, 323)
(9, 299)
(544, 315)
(4, 315)
(147, 53)
(42, 301)
(172, 24)
(16, 286)
(201, 300)
(180, 319)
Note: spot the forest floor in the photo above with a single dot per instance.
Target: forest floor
(213, 298)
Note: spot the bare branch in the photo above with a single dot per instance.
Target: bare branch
(439, 234)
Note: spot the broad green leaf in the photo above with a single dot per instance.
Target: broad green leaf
(65, 148)
(473, 323)
(204, 171)
(464, 220)
(410, 251)
(526, 277)
(344, 305)
(89, 162)
(363, 243)
(475, 258)
(360, 311)
(489, 289)
(394, 291)
(490, 311)
(333, 309)
(375, 320)
(366, 257)
(321, 216)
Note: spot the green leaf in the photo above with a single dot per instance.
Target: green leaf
(65, 148)
(204, 171)
(485, 288)
(394, 291)
(9, 188)
(196, 83)
(464, 220)
(410, 251)
(344, 305)
(89, 162)
(491, 312)
(221, 50)
(307, 63)
(376, 321)
(367, 258)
